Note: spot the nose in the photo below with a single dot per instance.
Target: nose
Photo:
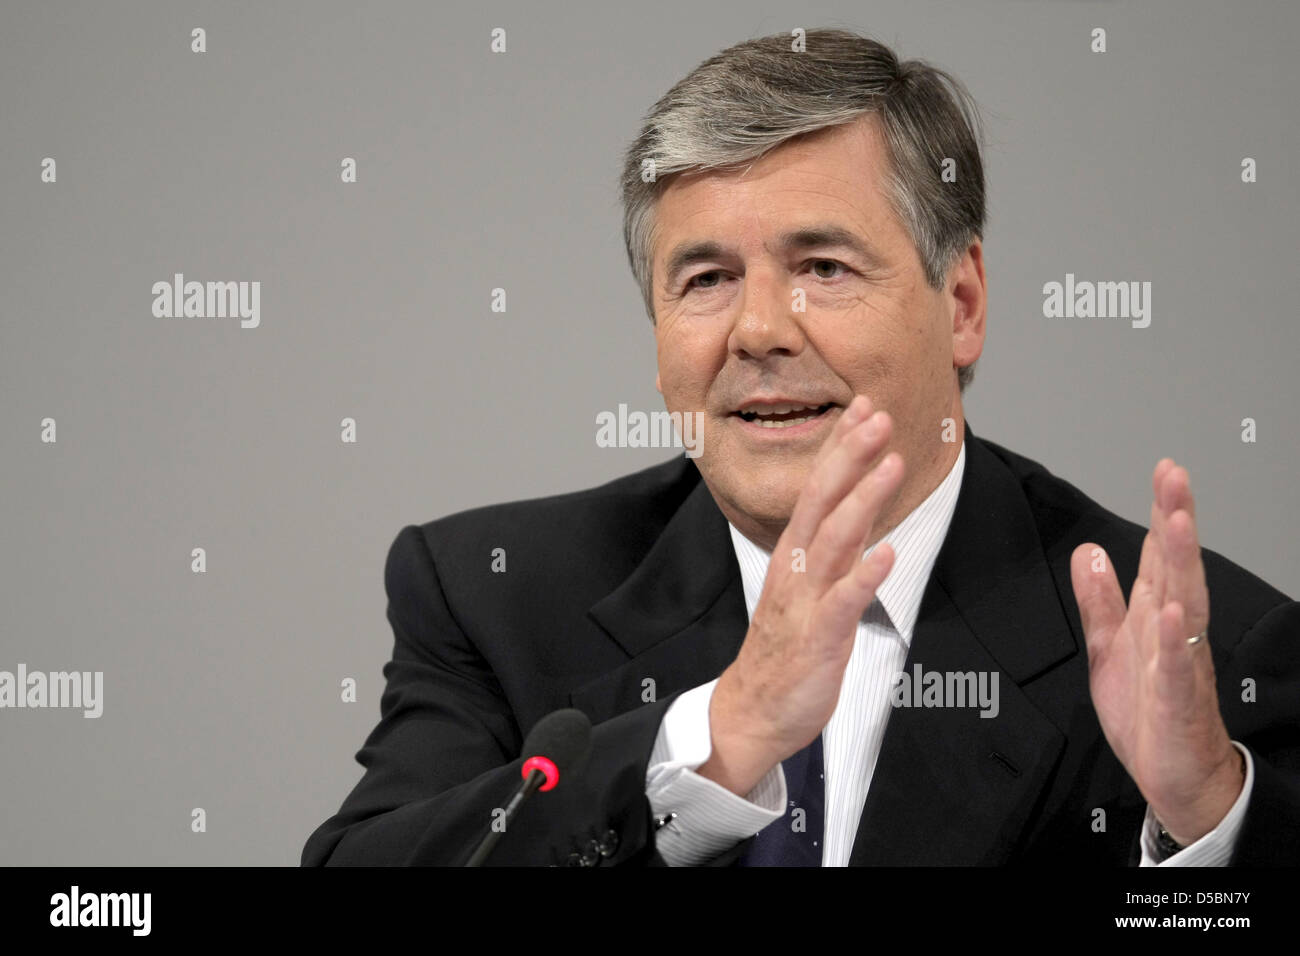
(766, 322)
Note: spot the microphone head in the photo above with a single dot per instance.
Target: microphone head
(558, 745)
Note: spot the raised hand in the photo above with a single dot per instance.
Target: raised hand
(781, 690)
(1153, 690)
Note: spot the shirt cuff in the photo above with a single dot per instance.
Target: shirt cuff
(709, 818)
(1216, 847)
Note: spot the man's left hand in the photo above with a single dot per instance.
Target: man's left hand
(1154, 692)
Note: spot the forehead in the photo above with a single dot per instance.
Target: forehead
(836, 173)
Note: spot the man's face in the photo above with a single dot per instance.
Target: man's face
(799, 287)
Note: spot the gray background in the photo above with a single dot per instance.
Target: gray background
(475, 171)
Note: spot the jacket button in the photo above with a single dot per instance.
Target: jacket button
(609, 843)
(591, 855)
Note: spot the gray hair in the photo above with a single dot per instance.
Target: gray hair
(751, 97)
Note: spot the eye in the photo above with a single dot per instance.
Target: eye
(695, 283)
(827, 262)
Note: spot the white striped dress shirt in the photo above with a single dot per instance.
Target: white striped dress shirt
(709, 818)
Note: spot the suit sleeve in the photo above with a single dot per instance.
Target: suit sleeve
(1269, 724)
(444, 756)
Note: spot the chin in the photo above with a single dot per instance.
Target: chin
(769, 500)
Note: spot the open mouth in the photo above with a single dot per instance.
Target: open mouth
(783, 416)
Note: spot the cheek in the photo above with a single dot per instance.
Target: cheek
(885, 345)
(868, 354)
(687, 367)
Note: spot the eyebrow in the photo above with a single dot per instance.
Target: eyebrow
(689, 252)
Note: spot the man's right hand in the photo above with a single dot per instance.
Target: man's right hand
(780, 691)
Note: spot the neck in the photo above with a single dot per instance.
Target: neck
(918, 485)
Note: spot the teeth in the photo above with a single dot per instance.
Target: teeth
(778, 409)
(768, 415)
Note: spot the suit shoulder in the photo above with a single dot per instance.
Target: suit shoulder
(634, 508)
(1058, 505)
(1066, 517)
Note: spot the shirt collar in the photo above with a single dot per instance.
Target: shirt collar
(916, 542)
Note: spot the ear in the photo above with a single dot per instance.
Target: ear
(969, 300)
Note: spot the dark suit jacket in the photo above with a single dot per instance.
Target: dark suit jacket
(637, 579)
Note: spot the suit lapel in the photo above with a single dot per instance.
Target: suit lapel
(950, 786)
(680, 616)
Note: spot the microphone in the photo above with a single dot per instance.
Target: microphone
(557, 747)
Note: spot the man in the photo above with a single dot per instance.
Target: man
(781, 643)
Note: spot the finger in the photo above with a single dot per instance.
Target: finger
(1177, 664)
(857, 411)
(836, 475)
(801, 526)
(1142, 600)
(1175, 489)
(837, 546)
(1185, 571)
(1100, 599)
(1151, 570)
(844, 603)
(1162, 468)
(1174, 493)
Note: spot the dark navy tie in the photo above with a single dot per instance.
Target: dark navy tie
(796, 839)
